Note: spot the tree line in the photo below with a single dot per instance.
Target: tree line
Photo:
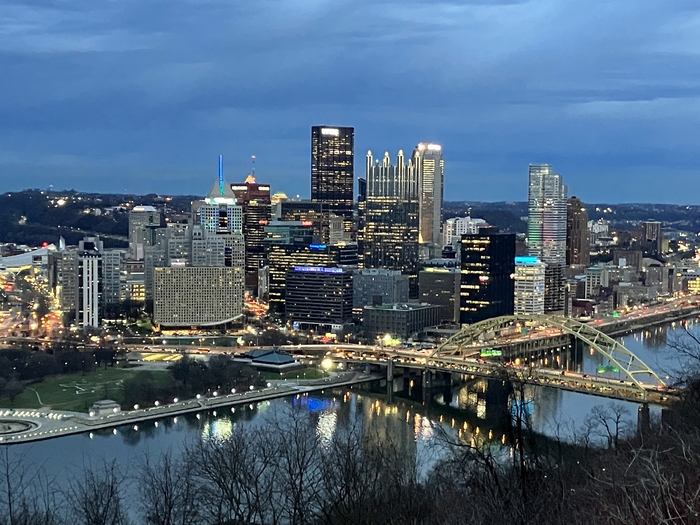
(284, 471)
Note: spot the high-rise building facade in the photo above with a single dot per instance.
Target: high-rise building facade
(547, 230)
(390, 225)
(142, 220)
(454, 228)
(652, 238)
(578, 249)
(431, 167)
(197, 296)
(90, 301)
(282, 257)
(318, 297)
(379, 285)
(440, 286)
(256, 205)
(486, 276)
(332, 170)
(529, 285)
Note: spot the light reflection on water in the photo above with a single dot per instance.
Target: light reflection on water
(420, 425)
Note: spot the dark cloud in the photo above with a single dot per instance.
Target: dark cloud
(143, 95)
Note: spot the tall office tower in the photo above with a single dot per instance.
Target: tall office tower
(112, 276)
(256, 204)
(68, 284)
(652, 238)
(487, 268)
(578, 249)
(207, 249)
(310, 213)
(142, 219)
(431, 167)
(283, 256)
(361, 210)
(529, 285)
(89, 304)
(318, 298)
(454, 228)
(332, 170)
(221, 216)
(390, 233)
(547, 230)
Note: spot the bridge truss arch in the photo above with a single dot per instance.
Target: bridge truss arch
(611, 349)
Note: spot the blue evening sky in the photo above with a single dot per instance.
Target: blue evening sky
(142, 95)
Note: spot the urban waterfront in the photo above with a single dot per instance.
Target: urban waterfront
(404, 416)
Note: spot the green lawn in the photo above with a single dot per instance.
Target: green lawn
(304, 373)
(76, 392)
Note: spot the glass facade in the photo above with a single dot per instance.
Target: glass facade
(332, 170)
(389, 234)
(487, 272)
(255, 202)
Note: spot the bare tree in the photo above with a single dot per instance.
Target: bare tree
(610, 422)
(169, 492)
(26, 497)
(96, 497)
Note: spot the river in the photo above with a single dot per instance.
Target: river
(402, 413)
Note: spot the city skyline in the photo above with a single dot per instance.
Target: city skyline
(140, 98)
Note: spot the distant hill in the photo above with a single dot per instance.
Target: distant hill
(507, 215)
(33, 217)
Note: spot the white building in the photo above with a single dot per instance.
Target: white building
(454, 228)
(90, 251)
(197, 296)
(529, 285)
(596, 277)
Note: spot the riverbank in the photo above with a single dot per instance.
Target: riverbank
(27, 425)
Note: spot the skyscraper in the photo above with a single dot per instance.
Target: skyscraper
(652, 238)
(390, 224)
(431, 166)
(197, 275)
(220, 215)
(142, 220)
(332, 170)
(547, 230)
(487, 268)
(529, 285)
(578, 250)
(256, 205)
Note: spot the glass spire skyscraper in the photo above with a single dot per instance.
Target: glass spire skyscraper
(389, 236)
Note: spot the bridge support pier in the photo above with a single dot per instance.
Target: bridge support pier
(643, 419)
(390, 371)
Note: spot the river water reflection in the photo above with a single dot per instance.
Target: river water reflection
(401, 414)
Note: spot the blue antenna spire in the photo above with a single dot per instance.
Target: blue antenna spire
(221, 175)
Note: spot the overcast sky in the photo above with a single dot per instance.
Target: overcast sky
(142, 95)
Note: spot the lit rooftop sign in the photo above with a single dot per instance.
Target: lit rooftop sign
(526, 260)
(332, 132)
(317, 246)
(317, 269)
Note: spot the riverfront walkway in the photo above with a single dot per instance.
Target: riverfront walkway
(26, 425)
